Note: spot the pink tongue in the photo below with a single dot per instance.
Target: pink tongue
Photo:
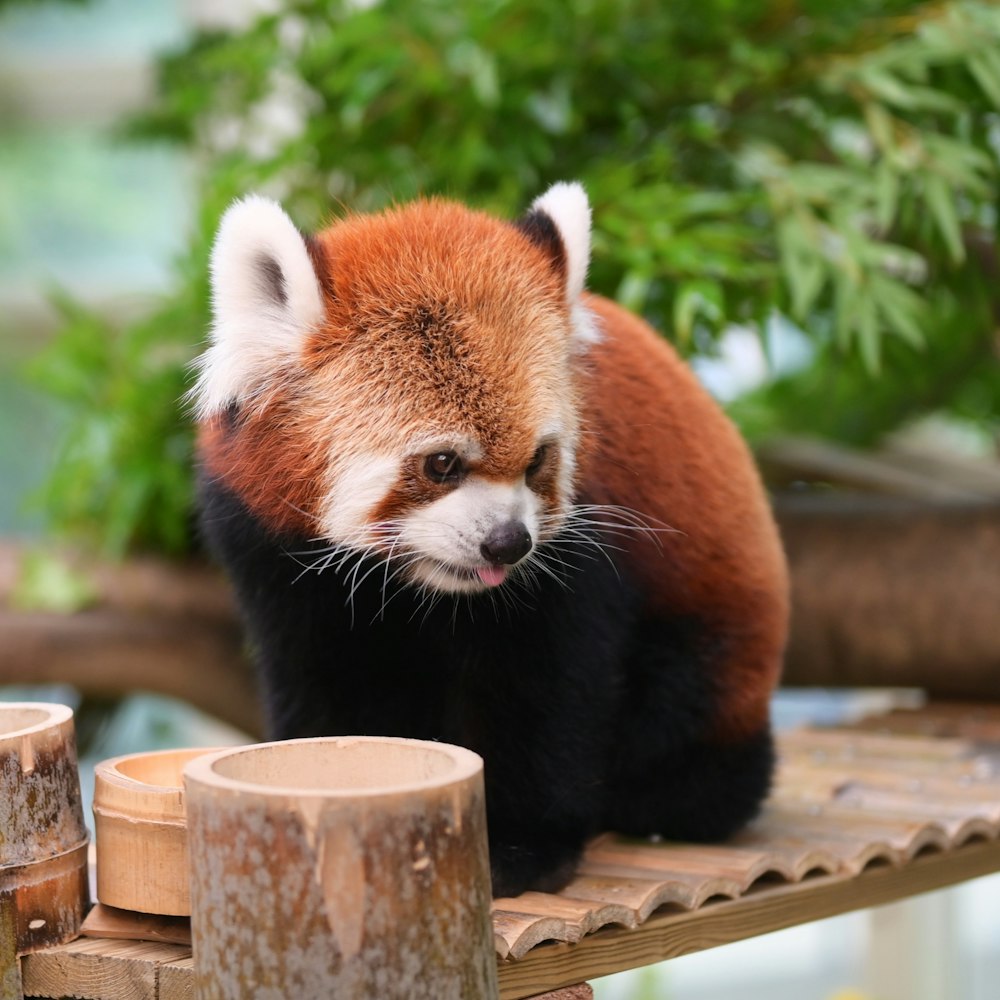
(492, 575)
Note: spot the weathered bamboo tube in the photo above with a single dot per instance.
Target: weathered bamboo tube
(348, 867)
(43, 840)
(140, 830)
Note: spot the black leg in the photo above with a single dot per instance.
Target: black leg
(701, 792)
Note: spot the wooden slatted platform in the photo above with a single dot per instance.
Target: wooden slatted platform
(897, 805)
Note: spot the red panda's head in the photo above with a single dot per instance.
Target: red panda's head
(402, 384)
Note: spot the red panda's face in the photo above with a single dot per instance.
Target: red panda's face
(403, 385)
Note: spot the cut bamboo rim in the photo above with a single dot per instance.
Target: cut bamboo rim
(352, 867)
(43, 840)
(141, 834)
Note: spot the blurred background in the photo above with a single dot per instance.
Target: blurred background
(803, 193)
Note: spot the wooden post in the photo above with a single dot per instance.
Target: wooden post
(10, 965)
(348, 866)
(43, 841)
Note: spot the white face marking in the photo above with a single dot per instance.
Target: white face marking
(440, 543)
(450, 531)
(363, 483)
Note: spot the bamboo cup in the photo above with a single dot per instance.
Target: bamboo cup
(43, 840)
(141, 834)
(348, 867)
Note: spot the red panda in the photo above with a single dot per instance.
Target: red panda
(461, 499)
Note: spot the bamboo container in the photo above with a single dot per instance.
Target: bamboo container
(353, 867)
(140, 831)
(43, 840)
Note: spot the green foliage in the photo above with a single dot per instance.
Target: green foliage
(835, 396)
(46, 583)
(124, 465)
(826, 159)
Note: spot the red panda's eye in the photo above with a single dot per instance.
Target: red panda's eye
(538, 459)
(443, 467)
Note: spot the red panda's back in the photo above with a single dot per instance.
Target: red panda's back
(656, 442)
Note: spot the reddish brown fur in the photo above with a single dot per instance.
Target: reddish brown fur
(275, 464)
(725, 560)
(455, 306)
(464, 292)
(438, 315)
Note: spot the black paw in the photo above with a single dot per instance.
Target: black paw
(703, 793)
(543, 867)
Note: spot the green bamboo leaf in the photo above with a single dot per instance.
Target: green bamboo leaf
(885, 86)
(795, 253)
(633, 290)
(881, 78)
(901, 309)
(880, 124)
(987, 75)
(898, 261)
(696, 299)
(869, 341)
(962, 166)
(816, 181)
(942, 208)
(844, 304)
(886, 194)
(812, 276)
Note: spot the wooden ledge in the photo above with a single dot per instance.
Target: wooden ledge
(762, 910)
(102, 969)
(900, 804)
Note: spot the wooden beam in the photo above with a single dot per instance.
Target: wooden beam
(177, 979)
(550, 967)
(789, 459)
(167, 626)
(891, 593)
(114, 652)
(115, 970)
(97, 969)
(582, 991)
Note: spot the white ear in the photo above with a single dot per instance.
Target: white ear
(567, 206)
(265, 300)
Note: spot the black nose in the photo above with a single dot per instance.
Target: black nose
(506, 543)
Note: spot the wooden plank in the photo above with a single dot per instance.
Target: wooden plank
(976, 475)
(550, 967)
(97, 969)
(581, 991)
(105, 921)
(177, 618)
(850, 746)
(974, 721)
(111, 970)
(844, 801)
(96, 651)
(177, 980)
(791, 459)
(909, 591)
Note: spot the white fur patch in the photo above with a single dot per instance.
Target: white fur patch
(586, 327)
(265, 300)
(451, 529)
(567, 206)
(357, 490)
